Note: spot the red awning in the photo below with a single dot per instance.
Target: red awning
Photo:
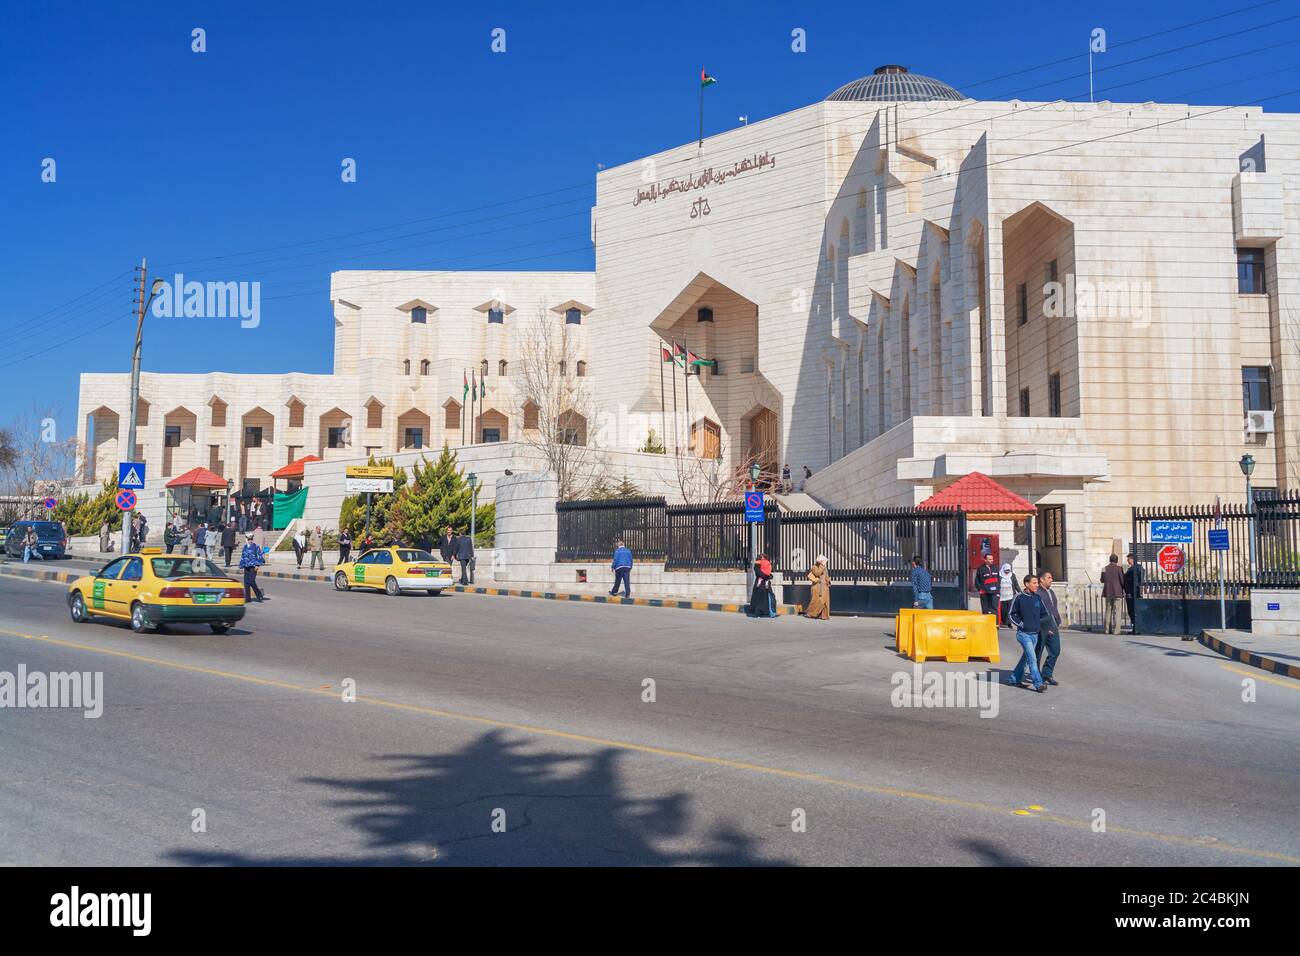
(294, 468)
(977, 493)
(198, 478)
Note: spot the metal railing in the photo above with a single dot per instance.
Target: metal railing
(1274, 524)
(588, 530)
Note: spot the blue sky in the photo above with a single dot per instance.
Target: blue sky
(236, 152)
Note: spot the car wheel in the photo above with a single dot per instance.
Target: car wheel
(434, 592)
(340, 582)
(139, 620)
(78, 609)
(391, 586)
(219, 628)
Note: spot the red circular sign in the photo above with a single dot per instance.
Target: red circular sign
(1171, 558)
(125, 500)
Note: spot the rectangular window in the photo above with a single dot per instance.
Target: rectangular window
(338, 437)
(1054, 395)
(414, 438)
(1051, 271)
(568, 436)
(496, 317)
(173, 437)
(253, 436)
(419, 315)
(1022, 304)
(1250, 272)
(747, 364)
(491, 435)
(1024, 403)
(573, 317)
(1256, 393)
(1053, 526)
(451, 420)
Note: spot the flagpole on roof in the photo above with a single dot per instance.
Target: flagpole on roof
(662, 410)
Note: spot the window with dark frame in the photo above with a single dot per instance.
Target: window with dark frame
(414, 438)
(253, 436)
(172, 439)
(1256, 390)
(1022, 304)
(1024, 403)
(573, 317)
(1054, 395)
(496, 317)
(1053, 527)
(1051, 271)
(419, 315)
(1250, 272)
(338, 437)
(704, 314)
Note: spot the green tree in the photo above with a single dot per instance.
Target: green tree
(352, 513)
(67, 510)
(653, 444)
(437, 496)
(626, 489)
(93, 512)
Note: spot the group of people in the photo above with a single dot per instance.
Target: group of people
(1120, 585)
(207, 541)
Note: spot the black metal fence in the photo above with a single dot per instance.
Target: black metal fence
(874, 545)
(1277, 542)
(1274, 525)
(715, 537)
(588, 530)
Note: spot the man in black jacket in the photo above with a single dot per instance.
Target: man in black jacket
(228, 541)
(1132, 590)
(447, 545)
(1049, 631)
(465, 555)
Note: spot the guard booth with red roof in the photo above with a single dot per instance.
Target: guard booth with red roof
(197, 497)
(998, 521)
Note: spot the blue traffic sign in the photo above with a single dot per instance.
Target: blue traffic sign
(1218, 539)
(754, 507)
(125, 500)
(1171, 532)
(130, 474)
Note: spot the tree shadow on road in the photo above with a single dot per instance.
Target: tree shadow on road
(556, 809)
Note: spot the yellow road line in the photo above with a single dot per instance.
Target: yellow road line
(1254, 672)
(624, 745)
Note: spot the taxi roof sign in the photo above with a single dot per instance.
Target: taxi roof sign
(369, 471)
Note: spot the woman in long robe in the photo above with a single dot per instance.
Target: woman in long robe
(819, 603)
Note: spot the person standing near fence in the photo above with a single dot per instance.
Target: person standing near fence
(1132, 590)
(819, 601)
(988, 584)
(761, 600)
(922, 585)
(1009, 587)
(622, 567)
(1112, 590)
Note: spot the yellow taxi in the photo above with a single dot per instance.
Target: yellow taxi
(394, 570)
(151, 589)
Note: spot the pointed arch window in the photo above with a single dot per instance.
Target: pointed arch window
(424, 366)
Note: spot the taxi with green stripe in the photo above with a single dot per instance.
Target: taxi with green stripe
(150, 589)
(394, 570)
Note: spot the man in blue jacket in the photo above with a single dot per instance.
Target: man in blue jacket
(622, 565)
(250, 559)
(1028, 614)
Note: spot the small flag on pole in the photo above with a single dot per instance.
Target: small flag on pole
(705, 79)
(464, 392)
(665, 355)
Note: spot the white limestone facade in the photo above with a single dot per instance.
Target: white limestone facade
(896, 292)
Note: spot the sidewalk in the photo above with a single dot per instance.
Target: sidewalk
(1275, 654)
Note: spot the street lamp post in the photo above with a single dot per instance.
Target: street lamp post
(143, 304)
(472, 480)
(1247, 465)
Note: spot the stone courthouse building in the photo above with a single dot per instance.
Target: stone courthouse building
(1095, 304)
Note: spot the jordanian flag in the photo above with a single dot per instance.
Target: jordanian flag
(705, 79)
(464, 392)
(695, 360)
(665, 355)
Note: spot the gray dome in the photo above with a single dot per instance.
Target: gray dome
(894, 84)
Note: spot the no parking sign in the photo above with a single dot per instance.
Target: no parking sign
(125, 500)
(754, 507)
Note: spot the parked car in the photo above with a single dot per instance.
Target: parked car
(394, 570)
(51, 539)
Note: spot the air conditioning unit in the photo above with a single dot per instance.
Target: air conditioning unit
(1259, 422)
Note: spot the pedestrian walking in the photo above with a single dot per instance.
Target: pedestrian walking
(1132, 590)
(228, 541)
(1112, 591)
(762, 602)
(785, 478)
(987, 582)
(922, 585)
(819, 601)
(299, 546)
(1008, 588)
(465, 555)
(104, 537)
(250, 559)
(30, 541)
(622, 566)
(1026, 615)
(1049, 635)
(185, 541)
(317, 544)
(144, 531)
(201, 541)
(345, 545)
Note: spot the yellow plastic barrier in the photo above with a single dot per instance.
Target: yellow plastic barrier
(955, 636)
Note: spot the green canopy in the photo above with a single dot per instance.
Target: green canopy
(288, 507)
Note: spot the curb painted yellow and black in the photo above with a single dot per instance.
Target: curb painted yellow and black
(1261, 661)
(782, 610)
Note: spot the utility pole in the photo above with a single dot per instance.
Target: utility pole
(142, 302)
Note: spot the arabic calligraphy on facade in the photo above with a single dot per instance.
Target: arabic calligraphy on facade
(713, 176)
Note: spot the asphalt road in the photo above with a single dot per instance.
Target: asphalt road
(529, 714)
